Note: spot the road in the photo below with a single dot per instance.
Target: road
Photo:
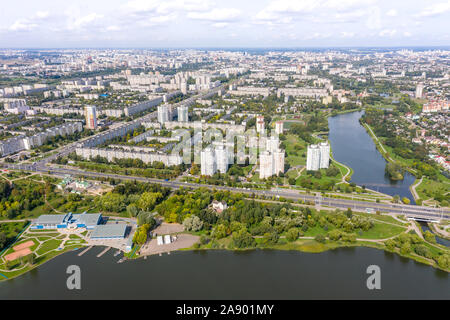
(412, 211)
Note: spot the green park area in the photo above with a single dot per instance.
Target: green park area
(39, 246)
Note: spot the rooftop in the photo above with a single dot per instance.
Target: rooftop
(109, 231)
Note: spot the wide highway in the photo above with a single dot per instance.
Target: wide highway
(412, 211)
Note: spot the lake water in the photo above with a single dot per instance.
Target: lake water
(259, 274)
(352, 146)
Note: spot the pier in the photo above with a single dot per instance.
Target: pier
(103, 252)
(84, 251)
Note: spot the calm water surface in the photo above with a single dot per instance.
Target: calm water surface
(352, 146)
(337, 274)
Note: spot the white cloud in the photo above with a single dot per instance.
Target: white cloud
(220, 24)
(28, 24)
(222, 15)
(435, 9)
(77, 23)
(320, 11)
(346, 34)
(374, 18)
(23, 25)
(387, 33)
(392, 13)
(407, 34)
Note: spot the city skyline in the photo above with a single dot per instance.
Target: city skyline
(210, 24)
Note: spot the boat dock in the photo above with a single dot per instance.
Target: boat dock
(84, 251)
(103, 252)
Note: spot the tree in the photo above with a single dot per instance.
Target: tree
(220, 232)
(193, 223)
(148, 200)
(270, 238)
(405, 248)
(444, 261)
(132, 210)
(243, 239)
(194, 169)
(292, 234)
(429, 236)
(320, 238)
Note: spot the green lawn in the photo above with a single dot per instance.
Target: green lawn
(296, 148)
(381, 231)
(48, 246)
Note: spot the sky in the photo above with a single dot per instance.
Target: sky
(223, 24)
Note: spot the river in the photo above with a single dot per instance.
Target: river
(258, 274)
(352, 146)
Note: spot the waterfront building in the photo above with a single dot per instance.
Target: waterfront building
(109, 232)
(324, 155)
(67, 221)
(318, 157)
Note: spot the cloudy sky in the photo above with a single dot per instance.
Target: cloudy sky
(218, 23)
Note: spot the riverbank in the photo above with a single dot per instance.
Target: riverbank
(312, 246)
(385, 153)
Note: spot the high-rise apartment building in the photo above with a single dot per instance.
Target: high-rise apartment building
(271, 163)
(419, 90)
(163, 113)
(208, 163)
(183, 114)
(279, 127)
(324, 155)
(318, 157)
(313, 158)
(213, 160)
(260, 124)
(91, 117)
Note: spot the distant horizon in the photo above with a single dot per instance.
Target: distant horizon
(230, 48)
(224, 24)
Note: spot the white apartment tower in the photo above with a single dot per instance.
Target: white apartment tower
(313, 158)
(260, 124)
(419, 90)
(318, 157)
(265, 165)
(272, 144)
(163, 113)
(271, 163)
(278, 161)
(91, 117)
(183, 114)
(208, 163)
(279, 127)
(221, 158)
(324, 155)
